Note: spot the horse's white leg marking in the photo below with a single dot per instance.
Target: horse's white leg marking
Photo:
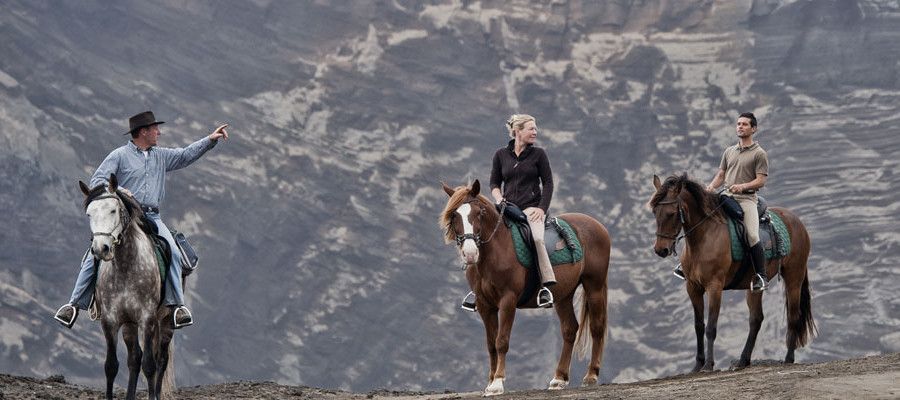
(495, 388)
(469, 250)
(557, 384)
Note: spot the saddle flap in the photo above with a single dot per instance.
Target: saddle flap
(761, 206)
(552, 239)
(773, 235)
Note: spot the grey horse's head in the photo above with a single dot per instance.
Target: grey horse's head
(109, 216)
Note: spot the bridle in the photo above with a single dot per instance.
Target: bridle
(123, 221)
(681, 223)
(477, 236)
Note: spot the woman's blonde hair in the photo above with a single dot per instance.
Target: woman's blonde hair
(516, 122)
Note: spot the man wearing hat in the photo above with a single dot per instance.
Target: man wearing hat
(140, 167)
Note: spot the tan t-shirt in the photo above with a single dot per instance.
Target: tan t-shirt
(741, 164)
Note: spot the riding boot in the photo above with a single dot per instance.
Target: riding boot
(182, 317)
(758, 256)
(678, 272)
(545, 298)
(66, 315)
(81, 294)
(469, 305)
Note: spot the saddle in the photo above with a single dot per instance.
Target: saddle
(160, 244)
(559, 238)
(773, 235)
(163, 261)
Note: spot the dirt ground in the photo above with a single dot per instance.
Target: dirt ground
(875, 377)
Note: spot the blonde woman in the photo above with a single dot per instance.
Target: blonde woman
(521, 175)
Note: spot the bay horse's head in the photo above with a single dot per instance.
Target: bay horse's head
(110, 212)
(463, 220)
(671, 203)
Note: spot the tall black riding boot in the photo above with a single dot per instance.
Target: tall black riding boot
(758, 255)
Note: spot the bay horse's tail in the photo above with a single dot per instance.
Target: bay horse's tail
(803, 328)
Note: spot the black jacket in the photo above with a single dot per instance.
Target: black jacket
(527, 180)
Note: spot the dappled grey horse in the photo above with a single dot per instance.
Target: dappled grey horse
(128, 294)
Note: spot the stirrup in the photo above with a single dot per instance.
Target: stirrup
(763, 285)
(678, 272)
(545, 302)
(69, 323)
(188, 322)
(467, 304)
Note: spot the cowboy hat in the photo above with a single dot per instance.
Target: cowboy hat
(142, 120)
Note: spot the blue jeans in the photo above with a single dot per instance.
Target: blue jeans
(84, 285)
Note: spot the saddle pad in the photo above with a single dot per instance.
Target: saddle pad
(561, 256)
(160, 261)
(772, 251)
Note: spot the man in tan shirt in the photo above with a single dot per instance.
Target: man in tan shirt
(743, 170)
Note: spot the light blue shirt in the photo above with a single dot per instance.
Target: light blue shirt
(145, 175)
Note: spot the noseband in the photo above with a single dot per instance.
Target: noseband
(123, 221)
(682, 224)
(477, 236)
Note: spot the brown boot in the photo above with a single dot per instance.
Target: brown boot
(183, 317)
(66, 315)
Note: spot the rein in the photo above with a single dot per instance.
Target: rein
(123, 221)
(678, 227)
(477, 236)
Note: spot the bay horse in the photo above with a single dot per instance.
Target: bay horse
(679, 204)
(498, 280)
(128, 290)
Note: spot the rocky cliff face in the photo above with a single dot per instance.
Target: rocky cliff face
(321, 260)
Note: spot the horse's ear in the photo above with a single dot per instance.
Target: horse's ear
(656, 182)
(113, 183)
(84, 189)
(447, 189)
(476, 188)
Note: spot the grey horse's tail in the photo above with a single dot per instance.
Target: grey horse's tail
(167, 391)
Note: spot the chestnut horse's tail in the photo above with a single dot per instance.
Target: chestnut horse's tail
(583, 338)
(803, 328)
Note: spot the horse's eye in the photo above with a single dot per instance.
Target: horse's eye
(112, 211)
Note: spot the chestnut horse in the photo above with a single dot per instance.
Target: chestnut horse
(682, 204)
(498, 280)
(128, 291)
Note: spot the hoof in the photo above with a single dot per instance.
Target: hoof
(592, 381)
(739, 365)
(557, 384)
(495, 388)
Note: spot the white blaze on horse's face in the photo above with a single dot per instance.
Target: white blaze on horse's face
(469, 249)
(106, 225)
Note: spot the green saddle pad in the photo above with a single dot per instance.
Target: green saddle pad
(561, 256)
(162, 264)
(737, 248)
